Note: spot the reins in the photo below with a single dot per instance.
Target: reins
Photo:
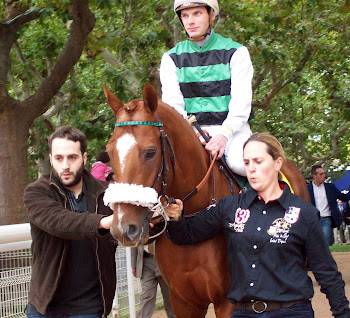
(200, 185)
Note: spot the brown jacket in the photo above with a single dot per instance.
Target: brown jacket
(53, 225)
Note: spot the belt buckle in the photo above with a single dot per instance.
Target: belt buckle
(259, 311)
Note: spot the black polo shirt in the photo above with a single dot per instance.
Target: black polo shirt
(267, 246)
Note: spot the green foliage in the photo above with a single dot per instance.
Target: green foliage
(310, 114)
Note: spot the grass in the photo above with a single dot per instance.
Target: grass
(340, 248)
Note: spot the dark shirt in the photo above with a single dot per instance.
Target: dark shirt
(267, 246)
(78, 291)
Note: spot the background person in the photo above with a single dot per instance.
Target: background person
(145, 267)
(101, 168)
(339, 234)
(324, 197)
(347, 223)
(269, 233)
(73, 267)
(210, 76)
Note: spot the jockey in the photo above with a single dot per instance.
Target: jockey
(210, 76)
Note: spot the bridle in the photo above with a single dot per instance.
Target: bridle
(165, 144)
(159, 209)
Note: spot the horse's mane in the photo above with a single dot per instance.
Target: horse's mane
(171, 118)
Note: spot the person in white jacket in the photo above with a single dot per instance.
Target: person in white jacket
(210, 76)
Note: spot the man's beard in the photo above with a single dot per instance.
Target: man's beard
(77, 177)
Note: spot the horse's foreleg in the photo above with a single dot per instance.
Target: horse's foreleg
(184, 309)
(223, 309)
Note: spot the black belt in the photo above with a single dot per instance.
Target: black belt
(325, 217)
(262, 306)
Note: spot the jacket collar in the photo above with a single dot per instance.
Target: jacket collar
(93, 186)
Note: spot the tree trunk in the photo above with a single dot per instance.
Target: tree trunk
(13, 167)
(16, 117)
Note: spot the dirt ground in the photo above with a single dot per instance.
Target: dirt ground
(319, 302)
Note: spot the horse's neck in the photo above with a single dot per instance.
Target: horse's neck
(191, 165)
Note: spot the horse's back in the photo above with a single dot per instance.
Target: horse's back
(296, 180)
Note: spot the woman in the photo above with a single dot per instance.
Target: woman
(101, 168)
(269, 233)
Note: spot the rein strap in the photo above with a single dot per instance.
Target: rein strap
(204, 180)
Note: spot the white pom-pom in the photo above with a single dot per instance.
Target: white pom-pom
(130, 193)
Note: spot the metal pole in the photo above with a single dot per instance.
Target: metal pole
(131, 289)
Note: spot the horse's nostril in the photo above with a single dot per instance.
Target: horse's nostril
(131, 231)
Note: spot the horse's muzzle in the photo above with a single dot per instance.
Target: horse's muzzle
(131, 229)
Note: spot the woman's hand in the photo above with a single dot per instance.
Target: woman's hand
(173, 210)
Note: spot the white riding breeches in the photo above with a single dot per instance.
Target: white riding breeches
(234, 147)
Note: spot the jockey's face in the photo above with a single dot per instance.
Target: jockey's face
(195, 21)
(67, 162)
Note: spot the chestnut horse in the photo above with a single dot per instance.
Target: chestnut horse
(154, 150)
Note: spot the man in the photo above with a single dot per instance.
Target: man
(145, 267)
(339, 234)
(347, 223)
(73, 268)
(324, 196)
(210, 76)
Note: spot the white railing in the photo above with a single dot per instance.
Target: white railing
(15, 272)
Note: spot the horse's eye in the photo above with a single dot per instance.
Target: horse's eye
(150, 153)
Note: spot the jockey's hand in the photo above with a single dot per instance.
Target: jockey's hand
(173, 210)
(106, 222)
(217, 144)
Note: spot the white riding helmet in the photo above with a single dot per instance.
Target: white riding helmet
(185, 4)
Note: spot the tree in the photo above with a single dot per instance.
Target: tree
(300, 53)
(299, 50)
(17, 116)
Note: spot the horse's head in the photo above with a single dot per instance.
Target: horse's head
(136, 154)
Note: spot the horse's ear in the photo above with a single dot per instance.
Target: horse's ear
(150, 97)
(112, 101)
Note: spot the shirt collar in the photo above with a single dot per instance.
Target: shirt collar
(283, 200)
(83, 192)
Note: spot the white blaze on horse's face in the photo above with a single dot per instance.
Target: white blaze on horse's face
(124, 144)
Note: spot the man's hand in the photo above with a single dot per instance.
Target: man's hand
(133, 271)
(174, 210)
(217, 144)
(106, 222)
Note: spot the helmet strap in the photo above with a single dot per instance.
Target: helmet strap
(200, 38)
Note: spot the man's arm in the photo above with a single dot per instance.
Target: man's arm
(46, 213)
(171, 92)
(241, 92)
(241, 100)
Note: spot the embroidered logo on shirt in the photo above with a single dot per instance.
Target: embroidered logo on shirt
(241, 218)
(279, 230)
(292, 215)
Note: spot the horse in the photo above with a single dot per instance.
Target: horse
(155, 152)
